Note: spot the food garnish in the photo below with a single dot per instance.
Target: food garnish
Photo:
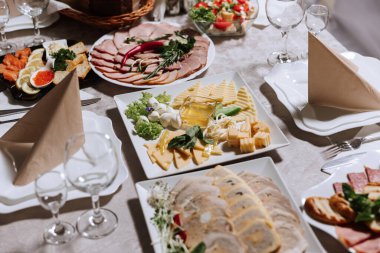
(60, 57)
(41, 78)
(220, 110)
(189, 139)
(141, 48)
(148, 130)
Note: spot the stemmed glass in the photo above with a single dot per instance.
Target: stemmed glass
(284, 15)
(33, 9)
(91, 165)
(316, 18)
(5, 46)
(51, 191)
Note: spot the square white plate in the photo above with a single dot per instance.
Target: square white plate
(278, 139)
(325, 188)
(263, 166)
(290, 82)
(13, 198)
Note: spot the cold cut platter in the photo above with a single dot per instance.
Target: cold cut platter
(151, 54)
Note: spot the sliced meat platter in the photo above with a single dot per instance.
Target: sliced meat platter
(113, 60)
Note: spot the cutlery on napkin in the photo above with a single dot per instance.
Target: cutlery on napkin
(36, 142)
(333, 81)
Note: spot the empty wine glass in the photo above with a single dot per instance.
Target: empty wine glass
(51, 192)
(284, 15)
(5, 46)
(316, 18)
(33, 9)
(91, 165)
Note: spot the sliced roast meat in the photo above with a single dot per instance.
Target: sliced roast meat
(126, 68)
(171, 77)
(201, 39)
(194, 63)
(184, 71)
(133, 78)
(145, 56)
(120, 37)
(119, 75)
(119, 59)
(102, 56)
(125, 49)
(162, 29)
(103, 63)
(107, 46)
(358, 181)
(369, 246)
(373, 175)
(106, 69)
(160, 78)
(351, 236)
(202, 58)
(142, 31)
(174, 66)
(150, 68)
(338, 187)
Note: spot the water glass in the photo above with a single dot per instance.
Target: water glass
(5, 46)
(284, 15)
(91, 165)
(316, 18)
(33, 9)
(51, 191)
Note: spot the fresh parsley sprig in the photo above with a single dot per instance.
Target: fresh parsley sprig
(60, 57)
(189, 139)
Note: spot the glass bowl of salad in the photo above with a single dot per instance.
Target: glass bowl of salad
(224, 17)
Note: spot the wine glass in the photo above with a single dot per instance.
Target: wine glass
(284, 15)
(51, 191)
(316, 18)
(33, 9)
(91, 165)
(5, 46)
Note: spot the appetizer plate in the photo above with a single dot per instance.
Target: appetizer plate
(289, 81)
(278, 139)
(262, 166)
(13, 198)
(325, 188)
(210, 59)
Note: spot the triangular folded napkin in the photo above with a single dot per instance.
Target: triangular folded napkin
(334, 81)
(36, 143)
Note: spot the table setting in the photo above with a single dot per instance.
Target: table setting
(185, 126)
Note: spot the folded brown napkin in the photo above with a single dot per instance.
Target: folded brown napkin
(334, 81)
(36, 142)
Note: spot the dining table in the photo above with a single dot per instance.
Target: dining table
(299, 162)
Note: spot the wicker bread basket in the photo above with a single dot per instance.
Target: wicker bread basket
(111, 22)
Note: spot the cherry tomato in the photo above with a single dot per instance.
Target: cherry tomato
(241, 1)
(201, 4)
(221, 24)
(215, 11)
(238, 8)
(246, 7)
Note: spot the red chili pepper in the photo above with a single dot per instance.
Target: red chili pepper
(140, 48)
(177, 219)
(183, 235)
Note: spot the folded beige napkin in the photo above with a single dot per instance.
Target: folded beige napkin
(334, 81)
(36, 142)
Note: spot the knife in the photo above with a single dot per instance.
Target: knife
(331, 166)
(20, 110)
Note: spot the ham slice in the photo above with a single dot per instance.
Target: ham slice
(119, 59)
(107, 46)
(159, 79)
(106, 69)
(373, 175)
(125, 49)
(184, 71)
(145, 56)
(143, 31)
(102, 63)
(358, 181)
(369, 246)
(350, 236)
(338, 187)
(102, 56)
(119, 75)
(120, 37)
(132, 78)
(162, 29)
(171, 77)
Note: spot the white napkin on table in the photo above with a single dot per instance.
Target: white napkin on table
(261, 19)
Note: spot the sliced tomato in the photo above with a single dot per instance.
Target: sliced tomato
(242, 1)
(238, 8)
(222, 25)
(201, 4)
(215, 11)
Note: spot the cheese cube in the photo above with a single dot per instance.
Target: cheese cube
(262, 139)
(259, 126)
(247, 145)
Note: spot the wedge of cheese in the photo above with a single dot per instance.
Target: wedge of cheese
(244, 99)
(229, 95)
(180, 159)
(178, 100)
(219, 91)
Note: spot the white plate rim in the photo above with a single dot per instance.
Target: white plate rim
(296, 115)
(144, 157)
(251, 164)
(75, 194)
(210, 59)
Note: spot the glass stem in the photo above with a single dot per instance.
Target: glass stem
(36, 28)
(97, 217)
(285, 39)
(59, 229)
(3, 38)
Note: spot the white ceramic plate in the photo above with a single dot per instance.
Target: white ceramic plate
(24, 22)
(289, 81)
(13, 198)
(325, 189)
(153, 170)
(263, 166)
(210, 59)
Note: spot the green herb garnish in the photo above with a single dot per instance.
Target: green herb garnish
(200, 248)
(228, 111)
(148, 130)
(202, 15)
(189, 139)
(60, 57)
(130, 39)
(366, 209)
(174, 51)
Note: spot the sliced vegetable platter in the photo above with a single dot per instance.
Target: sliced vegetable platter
(153, 170)
(111, 36)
